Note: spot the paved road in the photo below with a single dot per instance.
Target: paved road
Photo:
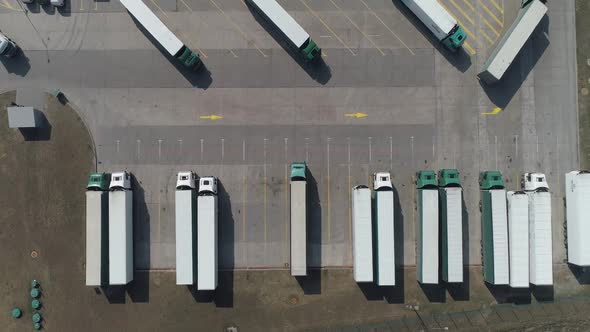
(424, 110)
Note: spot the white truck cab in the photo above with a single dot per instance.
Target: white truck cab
(534, 182)
(57, 3)
(8, 48)
(382, 181)
(186, 180)
(208, 185)
(120, 181)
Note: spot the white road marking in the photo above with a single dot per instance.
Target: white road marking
(412, 148)
(370, 149)
(202, 140)
(138, 145)
(180, 145)
(118, 146)
(390, 153)
(159, 149)
(222, 149)
(307, 150)
(243, 150)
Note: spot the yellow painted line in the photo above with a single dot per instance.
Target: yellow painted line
(498, 7)
(82, 5)
(469, 48)
(463, 12)
(7, 4)
(237, 27)
(490, 26)
(327, 27)
(160, 9)
(213, 117)
(495, 111)
(386, 26)
(487, 37)
(490, 13)
(468, 4)
(357, 27)
(469, 33)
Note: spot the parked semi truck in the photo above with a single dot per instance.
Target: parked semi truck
(451, 208)
(362, 234)
(518, 238)
(8, 47)
(186, 228)
(120, 229)
(293, 32)
(97, 229)
(494, 228)
(384, 229)
(298, 219)
(438, 20)
(162, 34)
(207, 251)
(427, 228)
(529, 16)
(540, 238)
(577, 198)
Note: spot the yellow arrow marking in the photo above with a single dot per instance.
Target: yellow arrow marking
(211, 117)
(493, 112)
(356, 115)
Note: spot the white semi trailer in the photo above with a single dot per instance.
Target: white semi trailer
(120, 229)
(540, 239)
(362, 234)
(384, 229)
(518, 238)
(494, 228)
(186, 228)
(97, 225)
(451, 201)
(512, 42)
(427, 228)
(577, 200)
(8, 47)
(207, 251)
(162, 34)
(298, 219)
(438, 20)
(293, 32)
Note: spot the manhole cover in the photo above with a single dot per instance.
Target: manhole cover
(584, 91)
(293, 299)
(34, 254)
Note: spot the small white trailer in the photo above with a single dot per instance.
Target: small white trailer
(186, 228)
(362, 234)
(540, 238)
(120, 229)
(427, 228)
(384, 229)
(451, 207)
(577, 197)
(298, 220)
(207, 234)
(512, 42)
(518, 238)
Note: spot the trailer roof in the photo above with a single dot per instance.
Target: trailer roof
(153, 25)
(283, 21)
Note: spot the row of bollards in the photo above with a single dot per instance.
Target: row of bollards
(35, 304)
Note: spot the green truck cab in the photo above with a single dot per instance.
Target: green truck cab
(99, 181)
(455, 39)
(491, 180)
(448, 178)
(311, 51)
(425, 179)
(189, 59)
(298, 170)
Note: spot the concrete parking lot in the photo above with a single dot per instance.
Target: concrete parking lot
(387, 97)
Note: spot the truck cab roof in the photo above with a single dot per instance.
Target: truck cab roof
(425, 179)
(534, 182)
(382, 181)
(99, 181)
(120, 181)
(491, 180)
(208, 185)
(186, 180)
(448, 178)
(298, 171)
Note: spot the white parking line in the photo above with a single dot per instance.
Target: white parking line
(390, 153)
(307, 150)
(159, 149)
(370, 149)
(412, 148)
(118, 147)
(243, 150)
(222, 149)
(138, 146)
(202, 140)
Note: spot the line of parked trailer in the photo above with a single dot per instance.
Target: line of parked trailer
(516, 228)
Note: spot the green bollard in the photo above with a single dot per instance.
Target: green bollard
(36, 317)
(17, 313)
(35, 283)
(36, 304)
(37, 326)
(35, 293)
